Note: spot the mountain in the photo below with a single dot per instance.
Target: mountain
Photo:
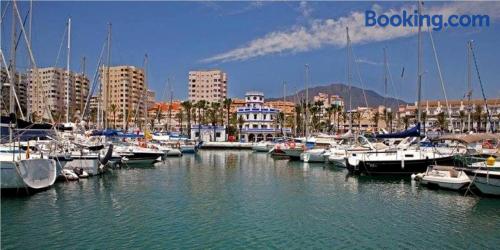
(374, 99)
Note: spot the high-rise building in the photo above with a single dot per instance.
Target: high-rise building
(21, 88)
(125, 94)
(47, 91)
(209, 85)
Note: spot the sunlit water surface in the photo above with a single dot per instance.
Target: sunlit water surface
(240, 199)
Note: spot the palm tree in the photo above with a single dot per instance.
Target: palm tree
(113, 110)
(314, 109)
(389, 118)
(179, 116)
(424, 119)
(213, 114)
(461, 116)
(441, 119)
(298, 120)
(227, 105)
(241, 122)
(187, 106)
(127, 113)
(281, 121)
(406, 121)
(478, 116)
(329, 112)
(375, 119)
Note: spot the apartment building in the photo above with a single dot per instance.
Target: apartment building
(208, 85)
(124, 95)
(21, 88)
(47, 91)
(465, 115)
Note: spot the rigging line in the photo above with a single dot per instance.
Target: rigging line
(482, 89)
(4, 12)
(61, 45)
(396, 93)
(359, 76)
(441, 78)
(32, 57)
(11, 80)
(94, 81)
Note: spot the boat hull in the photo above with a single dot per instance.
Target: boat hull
(33, 174)
(486, 181)
(396, 167)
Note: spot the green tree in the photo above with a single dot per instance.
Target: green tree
(478, 115)
(227, 106)
(441, 119)
(187, 106)
(375, 119)
(113, 109)
(329, 111)
(241, 122)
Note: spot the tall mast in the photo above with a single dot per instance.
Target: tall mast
(469, 84)
(68, 56)
(12, 69)
(28, 108)
(349, 76)
(145, 97)
(419, 64)
(307, 101)
(81, 92)
(385, 80)
(106, 99)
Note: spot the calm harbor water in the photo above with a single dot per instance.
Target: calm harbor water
(237, 199)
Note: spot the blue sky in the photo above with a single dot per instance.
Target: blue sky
(248, 40)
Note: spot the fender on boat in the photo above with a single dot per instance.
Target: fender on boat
(108, 155)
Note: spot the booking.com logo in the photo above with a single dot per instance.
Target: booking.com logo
(436, 21)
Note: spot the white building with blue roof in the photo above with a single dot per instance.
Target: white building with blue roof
(261, 122)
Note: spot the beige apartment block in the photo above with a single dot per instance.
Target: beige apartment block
(21, 88)
(47, 91)
(124, 95)
(208, 85)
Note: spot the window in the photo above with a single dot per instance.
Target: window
(197, 134)
(255, 126)
(217, 134)
(255, 116)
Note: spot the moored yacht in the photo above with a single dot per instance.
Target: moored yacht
(447, 177)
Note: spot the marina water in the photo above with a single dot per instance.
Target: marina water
(240, 199)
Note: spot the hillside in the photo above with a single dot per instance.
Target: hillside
(374, 99)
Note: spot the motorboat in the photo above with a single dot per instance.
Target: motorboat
(485, 176)
(447, 177)
(188, 147)
(315, 155)
(263, 146)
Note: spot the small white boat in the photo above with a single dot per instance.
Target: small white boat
(69, 175)
(314, 155)
(446, 177)
(263, 146)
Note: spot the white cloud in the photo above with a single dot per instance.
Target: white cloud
(367, 61)
(332, 32)
(304, 9)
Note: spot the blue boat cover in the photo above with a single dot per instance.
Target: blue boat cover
(412, 132)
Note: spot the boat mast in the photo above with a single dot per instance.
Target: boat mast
(349, 76)
(68, 54)
(28, 108)
(12, 65)
(469, 84)
(307, 101)
(419, 65)
(385, 81)
(105, 108)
